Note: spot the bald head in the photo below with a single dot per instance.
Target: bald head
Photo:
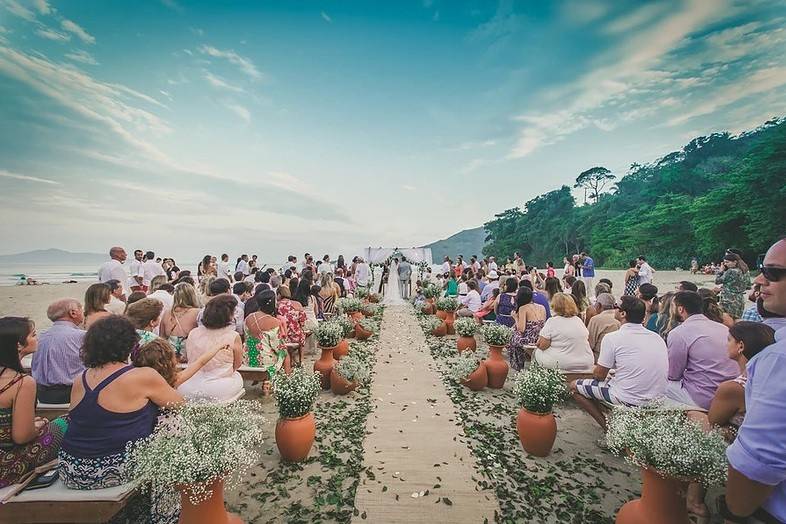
(773, 284)
(65, 309)
(118, 253)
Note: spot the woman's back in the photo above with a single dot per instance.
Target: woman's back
(201, 340)
(569, 349)
(179, 322)
(505, 308)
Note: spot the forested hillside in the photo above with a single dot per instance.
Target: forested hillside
(468, 242)
(717, 192)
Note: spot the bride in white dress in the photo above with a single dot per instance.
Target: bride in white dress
(392, 292)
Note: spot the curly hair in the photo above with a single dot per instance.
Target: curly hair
(159, 355)
(109, 339)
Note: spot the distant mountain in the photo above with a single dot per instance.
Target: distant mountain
(54, 256)
(468, 242)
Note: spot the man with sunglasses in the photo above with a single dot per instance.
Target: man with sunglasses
(756, 483)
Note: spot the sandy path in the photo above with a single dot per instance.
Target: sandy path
(413, 442)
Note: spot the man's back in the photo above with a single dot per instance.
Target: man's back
(57, 360)
(150, 270)
(599, 326)
(404, 270)
(641, 362)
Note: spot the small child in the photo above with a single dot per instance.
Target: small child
(159, 354)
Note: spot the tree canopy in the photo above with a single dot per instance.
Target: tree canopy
(717, 192)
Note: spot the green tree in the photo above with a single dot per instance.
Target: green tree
(594, 180)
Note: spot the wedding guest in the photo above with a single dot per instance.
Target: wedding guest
(631, 279)
(181, 318)
(471, 303)
(552, 287)
(57, 360)
(646, 273)
(113, 268)
(117, 305)
(265, 336)
(712, 310)
(506, 303)
(145, 316)
(218, 379)
(224, 269)
(579, 293)
(150, 270)
(734, 281)
(136, 272)
(529, 318)
(639, 359)
(294, 317)
(493, 283)
(112, 404)
(563, 340)
(587, 271)
(757, 459)
(649, 294)
(97, 298)
(26, 441)
(604, 322)
(160, 355)
(697, 360)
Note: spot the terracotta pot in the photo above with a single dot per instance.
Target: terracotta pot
(373, 299)
(497, 367)
(441, 330)
(449, 319)
(367, 313)
(537, 432)
(342, 350)
(427, 309)
(466, 343)
(478, 379)
(339, 385)
(325, 365)
(361, 333)
(662, 501)
(442, 314)
(209, 511)
(357, 315)
(295, 436)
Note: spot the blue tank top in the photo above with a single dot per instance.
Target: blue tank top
(96, 432)
(507, 303)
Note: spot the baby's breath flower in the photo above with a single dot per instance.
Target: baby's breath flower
(539, 388)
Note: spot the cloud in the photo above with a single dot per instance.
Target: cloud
(51, 34)
(220, 83)
(80, 33)
(8, 174)
(173, 5)
(19, 10)
(634, 19)
(239, 110)
(43, 7)
(326, 18)
(498, 28)
(82, 56)
(582, 12)
(197, 31)
(467, 146)
(409, 188)
(245, 65)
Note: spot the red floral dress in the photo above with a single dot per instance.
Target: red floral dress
(293, 319)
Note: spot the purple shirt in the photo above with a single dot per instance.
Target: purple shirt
(57, 360)
(759, 452)
(543, 300)
(698, 358)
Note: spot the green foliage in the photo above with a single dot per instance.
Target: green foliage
(717, 192)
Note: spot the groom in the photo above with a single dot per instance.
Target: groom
(404, 278)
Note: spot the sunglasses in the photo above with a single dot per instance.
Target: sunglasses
(773, 274)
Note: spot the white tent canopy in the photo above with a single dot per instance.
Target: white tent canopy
(378, 255)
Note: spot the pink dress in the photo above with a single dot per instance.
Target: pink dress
(216, 380)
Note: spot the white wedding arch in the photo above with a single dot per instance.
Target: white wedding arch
(378, 255)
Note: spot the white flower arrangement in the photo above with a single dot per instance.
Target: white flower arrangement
(429, 324)
(196, 444)
(361, 293)
(349, 304)
(463, 366)
(352, 369)
(466, 327)
(431, 290)
(369, 309)
(668, 442)
(296, 393)
(447, 304)
(329, 333)
(496, 334)
(368, 325)
(538, 389)
(347, 325)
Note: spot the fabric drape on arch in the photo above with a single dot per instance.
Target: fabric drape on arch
(378, 255)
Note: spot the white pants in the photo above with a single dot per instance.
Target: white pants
(588, 283)
(677, 395)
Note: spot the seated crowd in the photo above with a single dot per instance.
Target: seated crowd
(114, 362)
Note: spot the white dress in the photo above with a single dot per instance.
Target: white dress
(569, 350)
(392, 291)
(216, 380)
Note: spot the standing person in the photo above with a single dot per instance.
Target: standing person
(631, 279)
(242, 265)
(137, 273)
(550, 271)
(325, 266)
(446, 265)
(493, 264)
(639, 358)
(362, 273)
(646, 273)
(568, 270)
(756, 484)
(383, 281)
(113, 269)
(224, 269)
(694, 266)
(587, 271)
(57, 360)
(340, 264)
(151, 269)
(26, 441)
(404, 278)
(734, 282)
(697, 354)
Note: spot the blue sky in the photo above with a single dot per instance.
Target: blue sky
(277, 127)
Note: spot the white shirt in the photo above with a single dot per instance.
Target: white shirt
(224, 270)
(569, 350)
(112, 270)
(325, 267)
(362, 273)
(645, 274)
(166, 299)
(472, 301)
(243, 266)
(492, 266)
(136, 270)
(150, 270)
(116, 306)
(641, 361)
(463, 288)
(445, 267)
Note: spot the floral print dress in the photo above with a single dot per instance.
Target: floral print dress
(528, 337)
(293, 319)
(734, 283)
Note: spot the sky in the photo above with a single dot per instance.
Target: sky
(276, 127)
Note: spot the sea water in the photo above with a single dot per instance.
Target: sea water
(11, 274)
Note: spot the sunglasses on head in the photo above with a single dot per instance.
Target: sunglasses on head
(773, 274)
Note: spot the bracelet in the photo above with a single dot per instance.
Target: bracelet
(727, 514)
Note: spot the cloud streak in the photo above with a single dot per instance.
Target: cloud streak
(244, 64)
(80, 33)
(26, 178)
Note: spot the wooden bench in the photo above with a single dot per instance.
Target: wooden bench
(58, 504)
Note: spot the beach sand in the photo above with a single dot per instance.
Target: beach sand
(32, 301)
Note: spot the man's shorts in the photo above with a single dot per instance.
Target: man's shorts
(596, 390)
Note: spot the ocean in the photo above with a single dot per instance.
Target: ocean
(11, 274)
